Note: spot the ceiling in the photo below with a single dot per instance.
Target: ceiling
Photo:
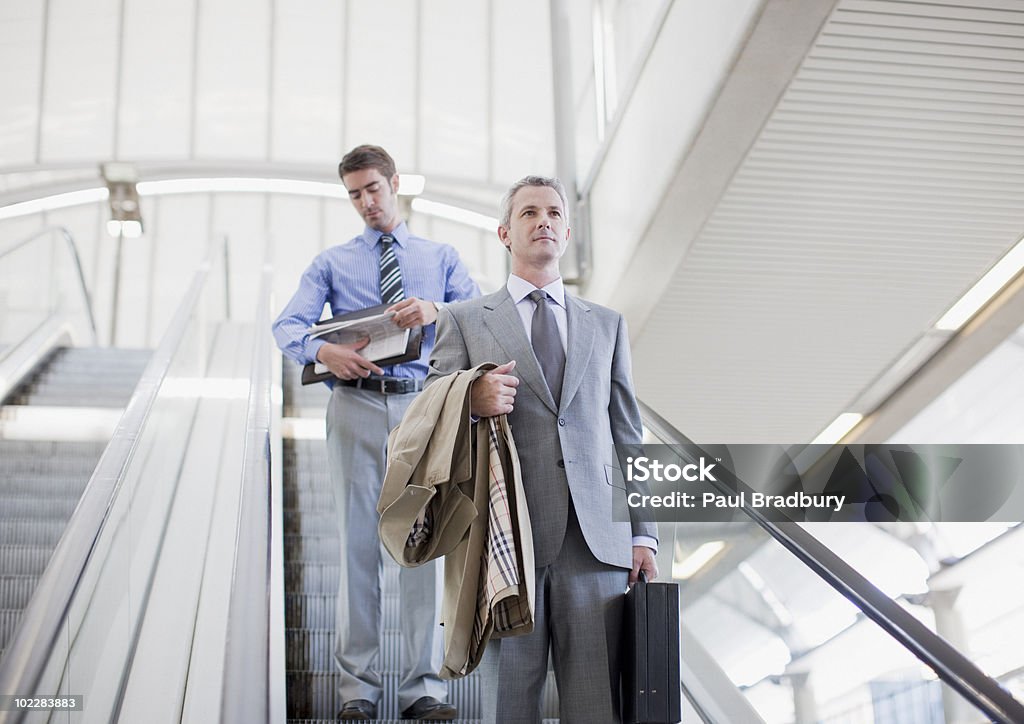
(858, 166)
(883, 180)
(274, 87)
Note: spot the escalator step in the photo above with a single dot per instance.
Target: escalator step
(24, 560)
(35, 448)
(310, 578)
(312, 549)
(9, 618)
(81, 382)
(317, 610)
(84, 377)
(16, 590)
(309, 649)
(35, 507)
(311, 581)
(63, 399)
(313, 482)
(312, 695)
(308, 499)
(308, 523)
(31, 532)
(310, 610)
(15, 467)
(44, 484)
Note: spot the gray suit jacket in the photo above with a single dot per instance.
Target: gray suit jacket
(567, 450)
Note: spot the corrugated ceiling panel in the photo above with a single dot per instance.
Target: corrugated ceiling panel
(888, 179)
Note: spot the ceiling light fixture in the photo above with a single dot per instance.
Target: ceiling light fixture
(982, 292)
(455, 213)
(242, 185)
(409, 185)
(51, 203)
(838, 429)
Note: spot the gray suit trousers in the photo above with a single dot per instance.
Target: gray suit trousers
(580, 604)
(358, 423)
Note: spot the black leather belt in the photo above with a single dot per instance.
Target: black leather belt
(385, 385)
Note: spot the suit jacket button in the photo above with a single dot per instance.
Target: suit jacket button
(561, 463)
(561, 421)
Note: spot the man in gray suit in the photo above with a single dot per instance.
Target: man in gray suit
(566, 384)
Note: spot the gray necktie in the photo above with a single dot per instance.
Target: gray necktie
(547, 344)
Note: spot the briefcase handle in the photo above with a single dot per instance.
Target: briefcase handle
(642, 576)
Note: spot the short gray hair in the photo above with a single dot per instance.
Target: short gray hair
(510, 195)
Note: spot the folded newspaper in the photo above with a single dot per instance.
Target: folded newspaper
(387, 339)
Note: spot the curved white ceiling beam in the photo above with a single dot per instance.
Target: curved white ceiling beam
(449, 209)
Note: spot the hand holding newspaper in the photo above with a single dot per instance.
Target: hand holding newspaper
(387, 339)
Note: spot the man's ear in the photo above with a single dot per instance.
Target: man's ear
(394, 183)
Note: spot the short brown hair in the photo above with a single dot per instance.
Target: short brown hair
(367, 156)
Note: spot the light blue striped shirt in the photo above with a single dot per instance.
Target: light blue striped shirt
(347, 277)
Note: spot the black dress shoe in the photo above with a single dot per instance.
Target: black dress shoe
(427, 708)
(358, 710)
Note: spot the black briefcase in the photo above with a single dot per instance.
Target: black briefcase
(650, 678)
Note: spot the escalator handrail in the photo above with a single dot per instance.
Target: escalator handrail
(246, 678)
(72, 248)
(25, 660)
(949, 664)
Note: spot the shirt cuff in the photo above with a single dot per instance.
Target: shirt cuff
(313, 347)
(646, 541)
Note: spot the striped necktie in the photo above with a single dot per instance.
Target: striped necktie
(390, 274)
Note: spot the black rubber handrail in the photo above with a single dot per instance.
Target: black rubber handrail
(949, 664)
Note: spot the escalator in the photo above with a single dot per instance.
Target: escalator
(158, 599)
(161, 595)
(41, 480)
(312, 547)
(798, 579)
(312, 550)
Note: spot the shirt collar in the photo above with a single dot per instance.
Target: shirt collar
(400, 234)
(519, 289)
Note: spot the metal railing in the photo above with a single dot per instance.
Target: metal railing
(72, 250)
(37, 658)
(247, 670)
(39, 275)
(949, 664)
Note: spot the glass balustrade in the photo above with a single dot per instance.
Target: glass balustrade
(816, 623)
(41, 282)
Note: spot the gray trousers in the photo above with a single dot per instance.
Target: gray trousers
(578, 617)
(358, 422)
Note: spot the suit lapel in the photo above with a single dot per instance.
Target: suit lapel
(503, 321)
(579, 344)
